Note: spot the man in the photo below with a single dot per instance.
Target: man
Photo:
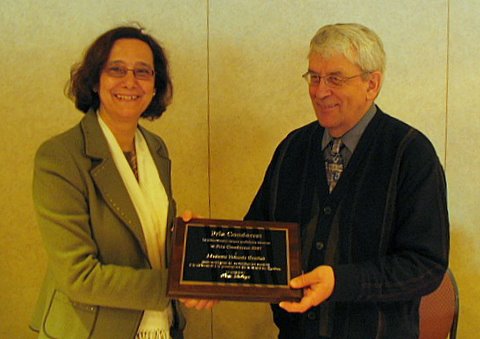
(372, 209)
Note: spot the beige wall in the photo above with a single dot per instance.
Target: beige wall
(236, 67)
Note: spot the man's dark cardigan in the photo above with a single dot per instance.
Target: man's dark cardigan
(384, 229)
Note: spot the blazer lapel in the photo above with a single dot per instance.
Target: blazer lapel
(107, 178)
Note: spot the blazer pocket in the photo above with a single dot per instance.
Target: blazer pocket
(67, 319)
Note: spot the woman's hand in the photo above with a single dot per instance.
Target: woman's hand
(189, 215)
(199, 304)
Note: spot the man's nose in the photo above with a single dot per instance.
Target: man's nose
(321, 90)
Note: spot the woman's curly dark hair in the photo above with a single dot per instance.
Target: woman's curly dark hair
(85, 76)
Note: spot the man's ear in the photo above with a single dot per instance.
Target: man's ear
(375, 82)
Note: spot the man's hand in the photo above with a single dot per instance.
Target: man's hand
(317, 287)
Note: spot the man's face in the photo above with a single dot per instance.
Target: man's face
(339, 108)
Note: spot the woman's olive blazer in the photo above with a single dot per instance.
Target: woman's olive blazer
(99, 279)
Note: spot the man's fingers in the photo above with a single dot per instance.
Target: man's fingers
(305, 280)
(293, 307)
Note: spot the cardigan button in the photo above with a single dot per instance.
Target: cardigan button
(319, 245)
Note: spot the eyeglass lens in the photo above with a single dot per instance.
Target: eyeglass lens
(119, 71)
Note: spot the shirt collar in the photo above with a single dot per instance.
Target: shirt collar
(352, 137)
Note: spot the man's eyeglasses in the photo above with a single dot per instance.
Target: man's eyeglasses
(119, 71)
(330, 80)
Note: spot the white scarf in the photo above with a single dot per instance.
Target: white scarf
(151, 203)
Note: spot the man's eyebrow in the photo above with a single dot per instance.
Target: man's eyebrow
(329, 73)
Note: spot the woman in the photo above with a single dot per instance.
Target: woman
(104, 202)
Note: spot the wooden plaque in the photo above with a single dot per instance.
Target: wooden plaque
(234, 260)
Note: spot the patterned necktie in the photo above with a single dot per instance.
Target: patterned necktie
(334, 164)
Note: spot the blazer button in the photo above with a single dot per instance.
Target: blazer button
(319, 245)
(327, 210)
(312, 315)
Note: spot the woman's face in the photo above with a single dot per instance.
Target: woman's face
(127, 82)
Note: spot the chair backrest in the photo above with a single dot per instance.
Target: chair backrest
(439, 310)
